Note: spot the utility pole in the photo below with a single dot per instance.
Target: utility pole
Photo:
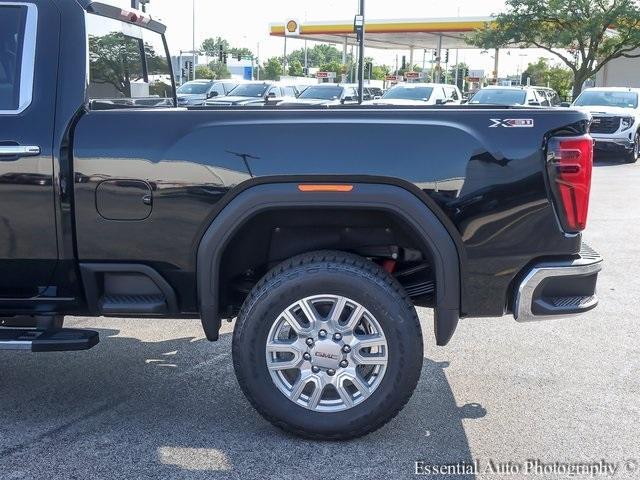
(360, 30)
(284, 58)
(194, 39)
(258, 62)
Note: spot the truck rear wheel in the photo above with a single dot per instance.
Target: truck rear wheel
(328, 346)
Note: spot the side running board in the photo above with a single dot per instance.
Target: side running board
(59, 340)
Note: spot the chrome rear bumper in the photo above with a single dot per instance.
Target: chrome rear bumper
(556, 289)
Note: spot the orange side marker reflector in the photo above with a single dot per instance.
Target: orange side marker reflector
(306, 187)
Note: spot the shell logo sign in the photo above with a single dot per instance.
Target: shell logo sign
(292, 27)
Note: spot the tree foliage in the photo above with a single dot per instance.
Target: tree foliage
(211, 46)
(204, 72)
(584, 34)
(219, 70)
(542, 74)
(380, 72)
(295, 69)
(272, 69)
(318, 55)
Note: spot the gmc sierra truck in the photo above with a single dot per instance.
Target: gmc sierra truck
(320, 229)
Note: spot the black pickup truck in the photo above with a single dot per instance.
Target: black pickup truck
(321, 230)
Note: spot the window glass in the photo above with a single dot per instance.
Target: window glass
(542, 98)
(497, 96)
(12, 27)
(289, 91)
(194, 88)
(126, 61)
(452, 94)
(408, 92)
(438, 94)
(322, 92)
(250, 90)
(218, 88)
(607, 98)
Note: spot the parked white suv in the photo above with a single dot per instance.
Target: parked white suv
(616, 119)
(415, 94)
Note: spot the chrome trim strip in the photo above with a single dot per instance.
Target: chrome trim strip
(27, 151)
(27, 68)
(522, 311)
(16, 345)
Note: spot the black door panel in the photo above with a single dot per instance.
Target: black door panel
(28, 248)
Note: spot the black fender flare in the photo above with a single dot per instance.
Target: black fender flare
(394, 199)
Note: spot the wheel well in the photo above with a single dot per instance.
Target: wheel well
(273, 236)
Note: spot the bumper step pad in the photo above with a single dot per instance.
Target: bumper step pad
(61, 340)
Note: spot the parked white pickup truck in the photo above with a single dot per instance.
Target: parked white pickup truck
(616, 119)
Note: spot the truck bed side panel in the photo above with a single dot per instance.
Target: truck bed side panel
(488, 180)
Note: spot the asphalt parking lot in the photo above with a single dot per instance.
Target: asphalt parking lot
(155, 400)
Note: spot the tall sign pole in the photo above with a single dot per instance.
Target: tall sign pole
(360, 31)
(194, 38)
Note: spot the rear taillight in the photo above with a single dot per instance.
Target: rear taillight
(570, 162)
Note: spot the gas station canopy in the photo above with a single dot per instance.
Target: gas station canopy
(391, 34)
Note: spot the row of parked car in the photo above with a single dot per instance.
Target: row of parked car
(615, 111)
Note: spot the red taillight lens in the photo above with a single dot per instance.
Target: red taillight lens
(570, 162)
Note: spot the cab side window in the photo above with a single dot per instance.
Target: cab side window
(12, 36)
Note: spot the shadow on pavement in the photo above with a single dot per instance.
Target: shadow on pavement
(173, 409)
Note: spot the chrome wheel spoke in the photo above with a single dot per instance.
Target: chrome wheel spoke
(345, 396)
(314, 399)
(377, 342)
(310, 312)
(275, 347)
(336, 312)
(357, 382)
(293, 322)
(353, 320)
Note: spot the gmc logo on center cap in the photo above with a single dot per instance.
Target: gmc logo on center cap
(511, 122)
(326, 355)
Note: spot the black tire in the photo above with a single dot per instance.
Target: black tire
(633, 155)
(337, 273)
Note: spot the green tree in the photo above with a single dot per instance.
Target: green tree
(219, 70)
(272, 69)
(584, 34)
(295, 69)
(543, 74)
(380, 72)
(333, 66)
(204, 72)
(211, 46)
(317, 55)
(243, 52)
